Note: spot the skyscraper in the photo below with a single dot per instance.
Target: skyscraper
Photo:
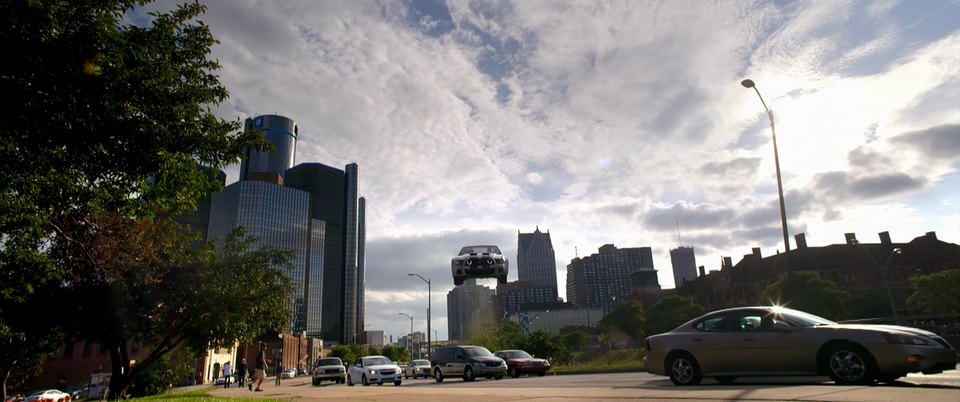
(684, 265)
(599, 280)
(333, 199)
(536, 261)
(468, 310)
(278, 217)
(282, 133)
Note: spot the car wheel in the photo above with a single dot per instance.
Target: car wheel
(725, 379)
(541, 373)
(437, 374)
(849, 364)
(457, 282)
(497, 377)
(349, 380)
(502, 280)
(364, 381)
(315, 382)
(397, 383)
(468, 374)
(684, 370)
(513, 372)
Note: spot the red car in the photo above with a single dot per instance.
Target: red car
(520, 362)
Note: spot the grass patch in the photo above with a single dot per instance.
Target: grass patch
(600, 360)
(200, 396)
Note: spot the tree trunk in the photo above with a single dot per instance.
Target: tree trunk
(120, 377)
(6, 374)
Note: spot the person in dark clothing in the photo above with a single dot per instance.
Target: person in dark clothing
(260, 368)
(241, 372)
(279, 370)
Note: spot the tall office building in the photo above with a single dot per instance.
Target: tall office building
(469, 310)
(684, 265)
(597, 281)
(333, 199)
(361, 263)
(265, 165)
(279, 217)
(536, 261)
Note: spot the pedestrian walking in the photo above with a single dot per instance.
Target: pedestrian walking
(259, 368)
(241, 372)
(227, 374)
(279, 369)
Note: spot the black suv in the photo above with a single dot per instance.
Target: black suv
(469, 362)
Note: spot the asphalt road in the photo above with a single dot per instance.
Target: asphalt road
(616, 387)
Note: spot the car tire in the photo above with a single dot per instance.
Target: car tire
(457, 281)
(468, 374)
(513, 372)
(349, 380)
(497, 377)
(397, 383)
(849, 364)
(684, 370)
(725, 379)
(541, 373)
(502, 279)
(315, 382)
(363, 380)
(437, 374)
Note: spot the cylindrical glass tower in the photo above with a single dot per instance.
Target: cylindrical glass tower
(279, 131)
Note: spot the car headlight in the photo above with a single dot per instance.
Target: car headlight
(904, 339)
(372, 372)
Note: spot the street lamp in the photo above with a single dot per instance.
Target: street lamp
(410, 337)
(428, 309)
(776, 160)
(886, 283)
(582, 309)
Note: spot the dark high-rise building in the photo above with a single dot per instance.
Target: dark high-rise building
(599, 280)
(536, 261)
(265, 165)
(278, 217)
(684, 265)
(333, 199)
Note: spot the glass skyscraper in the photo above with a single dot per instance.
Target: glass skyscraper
(282, 133)
(536, 261)
(278, 217)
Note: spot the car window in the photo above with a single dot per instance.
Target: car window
(329, 362)
(373, 361)
(715, 323)
(421, 362)
(476, 351)
(358, 362)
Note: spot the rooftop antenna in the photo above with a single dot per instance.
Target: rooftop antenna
(576, 253)
(678, 232)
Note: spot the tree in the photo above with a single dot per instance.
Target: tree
(812, 294)
(627, 317)
(936, 293)
(575, 341)
(869, 305)
(347, 353)
(669, 313)
(108, 119)
(396, 353)
(510, 336)
(541, 344)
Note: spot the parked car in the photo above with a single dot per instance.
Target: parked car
(521, 362)
(417, 368)
(374, 370)
(479, 262)
(468, 362)
(50, 395)
(772, 340)
(329, 369)
(14, 398)
(289, 373)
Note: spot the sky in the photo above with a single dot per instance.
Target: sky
(620, 122)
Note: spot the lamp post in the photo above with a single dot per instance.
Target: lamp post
(583, 309)
(428, 309)
(886, 283)
(747, 83)
(410, 337)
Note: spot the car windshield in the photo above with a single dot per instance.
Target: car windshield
(373, 361)
(476, 351)
(517, 354)
(329, 362)
(480, 249)
(802, 319)
(421, 362)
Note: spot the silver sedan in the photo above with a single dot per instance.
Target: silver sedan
(777, 341)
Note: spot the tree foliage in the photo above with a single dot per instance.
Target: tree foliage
(670, 312)
(626, 317)
(811, 293)
(936, 293)
(347, 353)
(110, 126)
(541, 344)
(575, 341)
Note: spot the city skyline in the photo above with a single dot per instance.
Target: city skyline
(606, 122)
